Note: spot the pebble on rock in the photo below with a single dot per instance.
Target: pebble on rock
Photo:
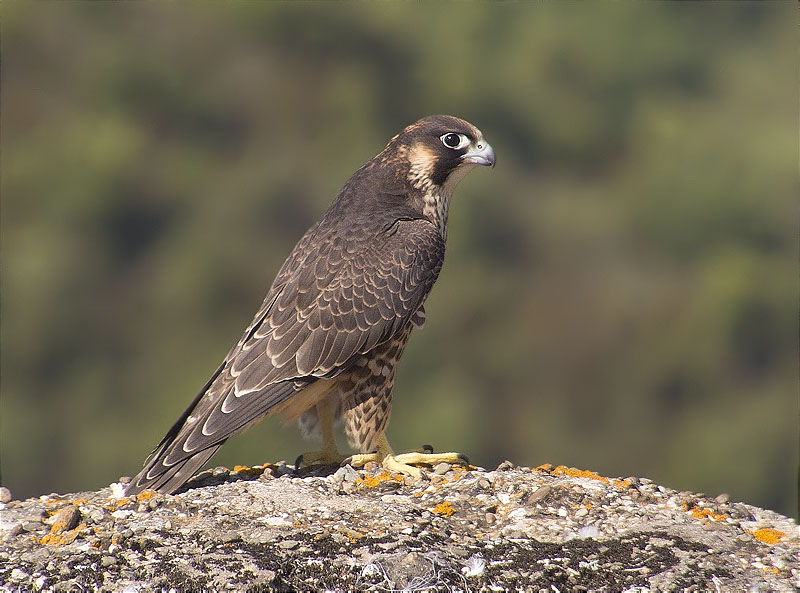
(441, 469)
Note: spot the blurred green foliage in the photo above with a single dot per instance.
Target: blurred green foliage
(620, 292)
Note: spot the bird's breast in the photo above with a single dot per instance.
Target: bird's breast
(435, 209)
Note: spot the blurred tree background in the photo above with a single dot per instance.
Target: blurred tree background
(620, 292)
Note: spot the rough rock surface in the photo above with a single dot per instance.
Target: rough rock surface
(465, 529)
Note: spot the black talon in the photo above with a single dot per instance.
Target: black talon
(463, 459)
(346, 461)
(298, 462)
(427, 448)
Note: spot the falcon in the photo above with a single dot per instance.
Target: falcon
(324, 346)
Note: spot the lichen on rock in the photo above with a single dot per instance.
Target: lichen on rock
(463, 529)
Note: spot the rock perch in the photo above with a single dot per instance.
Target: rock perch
(464, 529)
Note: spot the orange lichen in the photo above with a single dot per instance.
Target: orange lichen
(145, 495)
(55, 501)
(58, 538)
(64, 519)
(445, 509)
(60, 524)
(768, 536)
(458, 475)
(705, 513)
(248, 471)
(439, 481)
(563, 470)
(350, 534)
(372, 481)
(113, 504)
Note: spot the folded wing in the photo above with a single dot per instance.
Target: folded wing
(338, 295)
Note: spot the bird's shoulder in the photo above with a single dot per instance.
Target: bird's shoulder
(351, 282)
(366, 230)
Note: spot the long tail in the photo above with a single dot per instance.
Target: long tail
(173, 477)
(155, 474)
(202, 429)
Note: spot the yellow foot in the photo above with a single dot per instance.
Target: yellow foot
(404, 462)
(324, 457)
(417, 458)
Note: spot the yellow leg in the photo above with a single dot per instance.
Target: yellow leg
(402, 463)
(329, 455)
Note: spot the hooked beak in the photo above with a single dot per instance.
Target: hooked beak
(480, 153)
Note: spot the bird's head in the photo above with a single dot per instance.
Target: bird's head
(439, 151)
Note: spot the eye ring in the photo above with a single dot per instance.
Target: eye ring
(454, 141)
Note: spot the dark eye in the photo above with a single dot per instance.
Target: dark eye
(454, 141)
